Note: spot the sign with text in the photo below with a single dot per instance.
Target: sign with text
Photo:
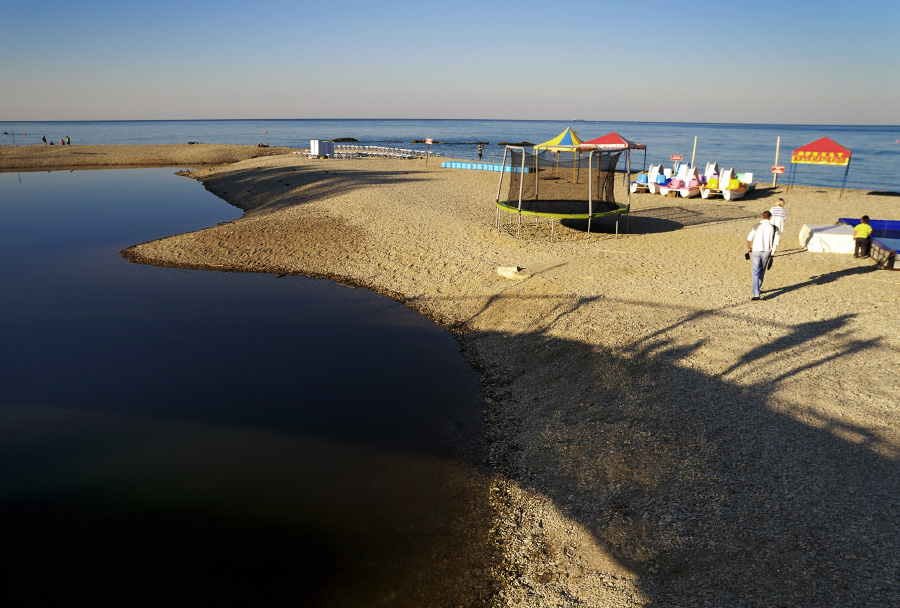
(676, 157)
(429, 140)
(816, 157)
(777, 168)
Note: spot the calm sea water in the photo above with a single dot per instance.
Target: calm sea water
(227, 435)
(875, 162)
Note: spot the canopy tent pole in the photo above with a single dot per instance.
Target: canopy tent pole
(521, 180)
(844, 183)
(628, 191)
(521, 183)
(591, 189)
(628, 169)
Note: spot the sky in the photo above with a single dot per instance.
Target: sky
(802, 62)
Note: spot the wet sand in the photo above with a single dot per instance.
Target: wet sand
(658, 437)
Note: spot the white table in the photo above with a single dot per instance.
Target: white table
(827, 238)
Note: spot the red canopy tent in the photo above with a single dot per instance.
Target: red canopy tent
(822, 152)
(614, 141)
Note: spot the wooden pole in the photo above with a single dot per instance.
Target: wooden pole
(775, 175)
(695, 151)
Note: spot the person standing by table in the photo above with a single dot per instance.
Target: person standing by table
(861, 234)
(761, 244)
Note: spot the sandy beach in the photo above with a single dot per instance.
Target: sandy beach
(657, 437)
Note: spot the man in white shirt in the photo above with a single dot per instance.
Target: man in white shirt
(761, 243)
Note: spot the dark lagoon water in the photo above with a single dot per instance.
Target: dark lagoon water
(224, 435)
(875, 163)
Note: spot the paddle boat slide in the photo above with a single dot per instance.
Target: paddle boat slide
(711, 172)
(676, 182)
(690, 187)
(712, 189)
(642, 184)
(662, 178)
(738, 186)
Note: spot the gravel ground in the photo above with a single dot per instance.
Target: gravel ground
(657, 438)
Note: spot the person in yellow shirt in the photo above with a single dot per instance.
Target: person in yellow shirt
(861, 233)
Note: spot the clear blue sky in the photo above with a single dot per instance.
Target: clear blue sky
(822, 62)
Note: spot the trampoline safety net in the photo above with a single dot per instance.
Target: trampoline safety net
(561, 183)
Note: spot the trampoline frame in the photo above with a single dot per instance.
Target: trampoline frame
(504, 206)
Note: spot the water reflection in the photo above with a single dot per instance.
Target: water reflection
(287, 439)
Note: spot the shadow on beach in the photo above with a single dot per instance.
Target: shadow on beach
(660, 219)
(818, 279)
(705, 487)
(271, 189)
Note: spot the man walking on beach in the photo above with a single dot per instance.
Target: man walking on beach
(761, 244)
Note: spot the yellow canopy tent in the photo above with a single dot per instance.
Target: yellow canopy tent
(567, 141)
(564, 142)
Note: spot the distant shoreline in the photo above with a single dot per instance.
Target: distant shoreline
(43, 158)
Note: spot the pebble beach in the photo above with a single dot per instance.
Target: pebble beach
(656, 437)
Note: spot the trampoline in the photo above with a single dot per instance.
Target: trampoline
(884, 241)
(543, 186)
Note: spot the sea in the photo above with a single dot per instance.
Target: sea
(749, 148)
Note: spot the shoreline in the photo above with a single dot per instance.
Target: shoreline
(660, 438)
(59, 158)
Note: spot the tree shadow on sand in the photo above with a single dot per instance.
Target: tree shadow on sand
(820, 279)
(709, 490)
(274, 189)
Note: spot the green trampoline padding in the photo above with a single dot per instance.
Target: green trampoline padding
(571, 210)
